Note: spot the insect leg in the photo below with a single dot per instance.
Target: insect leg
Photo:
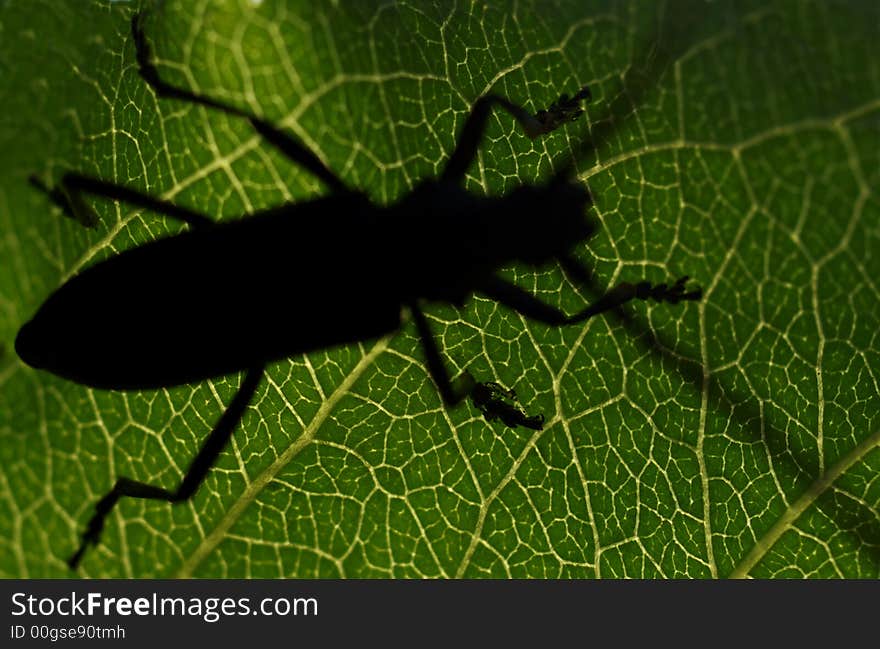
(575, 271)
(545, 121)
(451, 394)
(474, 127)
(195, 474)
(489, 399)
(288, 145)
(528, 305)
(68, 196)
(643, 290)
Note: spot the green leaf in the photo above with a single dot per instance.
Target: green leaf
(736, 436)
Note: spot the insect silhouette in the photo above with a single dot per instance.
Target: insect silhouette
(494, 401)
(217, 298)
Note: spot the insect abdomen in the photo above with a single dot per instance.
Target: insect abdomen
(207, 303)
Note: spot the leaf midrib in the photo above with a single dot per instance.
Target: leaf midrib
(253, 489)
(785, 522)
(762, 545)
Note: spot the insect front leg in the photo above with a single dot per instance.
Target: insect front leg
(68, 195)
(528, 305)
(195, 474)
(545, 121)
(292, 148)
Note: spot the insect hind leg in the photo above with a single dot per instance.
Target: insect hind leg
(195, 474)
(289, 146)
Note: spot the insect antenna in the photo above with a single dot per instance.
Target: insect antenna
(672, 36)
(672, 40)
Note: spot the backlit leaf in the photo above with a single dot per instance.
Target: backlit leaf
(738, 143)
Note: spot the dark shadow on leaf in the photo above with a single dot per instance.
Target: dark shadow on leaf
(678, 28)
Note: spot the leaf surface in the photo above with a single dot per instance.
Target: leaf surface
(737, 436)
